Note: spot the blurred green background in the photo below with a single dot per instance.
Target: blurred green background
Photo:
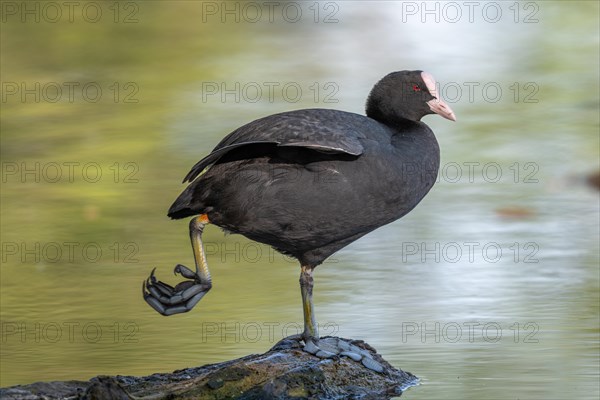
(488, 289)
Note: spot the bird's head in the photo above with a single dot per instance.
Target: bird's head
(406, 94)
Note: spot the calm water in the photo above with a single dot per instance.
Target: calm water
(489, 289)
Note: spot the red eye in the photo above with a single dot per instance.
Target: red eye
(416, 88)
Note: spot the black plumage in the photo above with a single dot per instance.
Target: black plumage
(308, 183)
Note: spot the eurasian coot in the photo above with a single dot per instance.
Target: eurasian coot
(308, 183)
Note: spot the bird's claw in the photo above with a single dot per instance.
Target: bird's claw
(330, 347)
(169, 300)
(184, 271)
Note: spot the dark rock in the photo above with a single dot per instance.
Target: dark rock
(105, 387)
(215, 383)
(285, 372)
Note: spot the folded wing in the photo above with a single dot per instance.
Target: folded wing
(324, 131)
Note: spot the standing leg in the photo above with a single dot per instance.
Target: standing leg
(329, 346)
(168, 300)
(311, 332)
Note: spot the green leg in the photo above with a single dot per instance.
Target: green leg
(311, 332)
(197, 225)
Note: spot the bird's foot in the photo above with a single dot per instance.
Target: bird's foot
(169, 300)
(330, 347)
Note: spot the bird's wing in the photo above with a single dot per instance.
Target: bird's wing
(321, 130)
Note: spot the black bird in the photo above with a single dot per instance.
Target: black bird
(308, 183)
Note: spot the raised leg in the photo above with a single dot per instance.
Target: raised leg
(168, 300)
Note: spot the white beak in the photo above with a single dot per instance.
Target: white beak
(437, 105)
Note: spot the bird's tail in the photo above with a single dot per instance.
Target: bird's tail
(183, 206)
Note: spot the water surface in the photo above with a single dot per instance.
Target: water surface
(488, 289)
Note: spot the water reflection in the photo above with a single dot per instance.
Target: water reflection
(474, 324)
